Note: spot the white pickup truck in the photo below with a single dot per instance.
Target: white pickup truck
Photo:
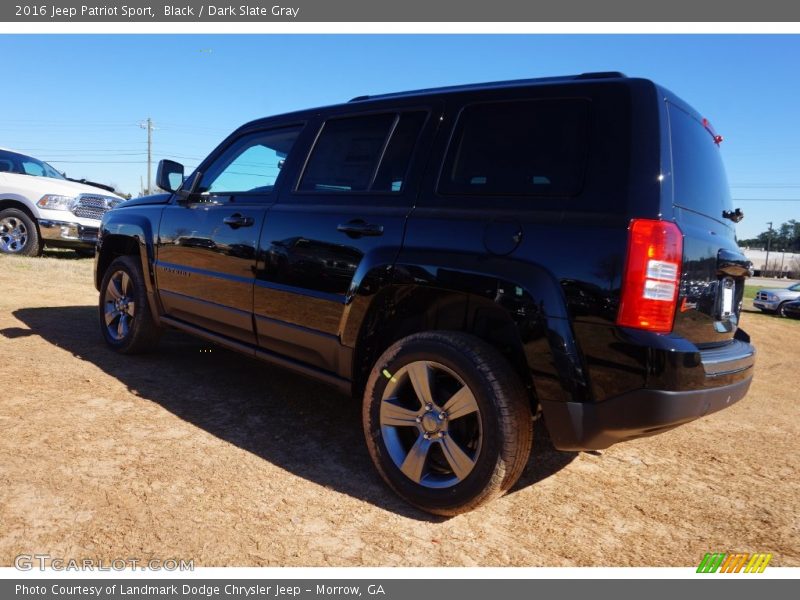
(40, 207)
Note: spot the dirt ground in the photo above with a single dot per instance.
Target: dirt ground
(198, 453)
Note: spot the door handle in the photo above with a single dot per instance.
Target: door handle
(236, 220)
(359, 228)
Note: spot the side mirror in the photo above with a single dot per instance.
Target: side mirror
(169, 176)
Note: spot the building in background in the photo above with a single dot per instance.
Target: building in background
(781, 264)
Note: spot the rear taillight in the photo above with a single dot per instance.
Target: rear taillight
(651, 277)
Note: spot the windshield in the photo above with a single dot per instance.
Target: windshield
(12, 162)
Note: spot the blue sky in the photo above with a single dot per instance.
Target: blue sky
(77, 100)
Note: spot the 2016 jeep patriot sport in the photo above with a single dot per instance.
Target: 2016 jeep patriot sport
(462, 258)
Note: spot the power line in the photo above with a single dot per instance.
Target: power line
(766, 200)
(174, 155)
(179, 127)
(774, 186)
(89, 154)
(59, 121)
(73, 148)
(64, 127)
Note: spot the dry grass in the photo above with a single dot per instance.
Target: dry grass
(212, 457)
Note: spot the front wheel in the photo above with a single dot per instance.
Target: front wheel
(126, 322)
(447, 421)
(781, 312)
(18, 234)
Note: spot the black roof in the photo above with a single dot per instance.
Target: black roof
(495, 85)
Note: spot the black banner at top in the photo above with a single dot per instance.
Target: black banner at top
(466, 11)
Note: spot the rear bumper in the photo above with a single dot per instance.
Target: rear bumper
(644, 412)
(65, 233)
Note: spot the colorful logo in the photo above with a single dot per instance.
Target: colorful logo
(734, 563)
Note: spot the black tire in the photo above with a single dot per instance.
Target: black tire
(495, 433)
(19, 234)
(126, 330)
(781, 310)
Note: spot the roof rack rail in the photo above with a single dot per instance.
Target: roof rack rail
(601, 75)
(511, 82)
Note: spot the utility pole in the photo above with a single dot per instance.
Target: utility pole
(769, 239)
(148, 125)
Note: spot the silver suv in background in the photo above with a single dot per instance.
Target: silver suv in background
(41, 207)
(774, 300)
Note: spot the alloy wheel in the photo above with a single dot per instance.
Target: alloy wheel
(119, 306)
(13, 235)
(430, 424)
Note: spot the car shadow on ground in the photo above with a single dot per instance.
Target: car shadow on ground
(291, 421)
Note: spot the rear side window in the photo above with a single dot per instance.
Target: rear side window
(700, 184)
(525, 148)
(361, 154)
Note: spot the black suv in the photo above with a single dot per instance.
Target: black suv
(464, 259)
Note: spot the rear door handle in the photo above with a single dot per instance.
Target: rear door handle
(236, 220)
(359, 228)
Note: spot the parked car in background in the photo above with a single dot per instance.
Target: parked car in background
(41, 207)
(775, 300)
(792, 309)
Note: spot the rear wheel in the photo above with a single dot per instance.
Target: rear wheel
(125, 318)
(18, 233)
(447, 421)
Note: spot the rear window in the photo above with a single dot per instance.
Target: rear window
(700, 184)
(524, 148)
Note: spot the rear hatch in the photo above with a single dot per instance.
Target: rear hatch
(714, 269)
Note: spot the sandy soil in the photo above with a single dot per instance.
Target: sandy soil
(197, 453)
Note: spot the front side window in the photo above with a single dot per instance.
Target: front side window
(526, 148)
(34, 168)
(251, 164)
(360, 154)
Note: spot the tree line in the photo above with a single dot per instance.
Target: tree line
(785, 238)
